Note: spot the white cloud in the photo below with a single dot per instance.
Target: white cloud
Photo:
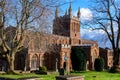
(86, 14)
(96, 35)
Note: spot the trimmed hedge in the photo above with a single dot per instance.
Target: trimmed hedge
(99, 64)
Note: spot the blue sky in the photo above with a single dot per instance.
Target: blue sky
(84, 5)
(79, 3)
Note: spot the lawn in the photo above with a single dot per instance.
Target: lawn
(50, 76)
(16, 76)
(89, 75)
(92, 75)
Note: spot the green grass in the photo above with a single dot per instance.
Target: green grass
(27, 75)
(16, 76)
(89, 75)
(92, 75)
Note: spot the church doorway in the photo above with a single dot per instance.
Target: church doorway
(34, 62)
(20, 61)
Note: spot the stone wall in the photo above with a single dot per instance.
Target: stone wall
(70, 77)
(107, 55)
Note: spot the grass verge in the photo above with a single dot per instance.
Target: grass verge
(89, 75)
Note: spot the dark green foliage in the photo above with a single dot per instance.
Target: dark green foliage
(42, 70)
(78, 58)
(61, 71)
(99, 64)
(114, 69)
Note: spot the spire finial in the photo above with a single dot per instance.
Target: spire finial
(70, 5)
(66, 13)
(56, 11)
(70, 9)
(78, 14)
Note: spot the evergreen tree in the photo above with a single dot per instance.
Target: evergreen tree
(99, 64)
(78, 58)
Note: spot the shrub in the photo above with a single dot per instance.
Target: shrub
(78, 58)
(114, 69)
(42, 70)
(61, 71)
(99, 64)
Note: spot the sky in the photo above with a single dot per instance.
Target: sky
(84, 5)
(86, 14)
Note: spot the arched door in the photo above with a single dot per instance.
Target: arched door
(34, 62)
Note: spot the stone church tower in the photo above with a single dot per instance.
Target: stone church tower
(67, 25)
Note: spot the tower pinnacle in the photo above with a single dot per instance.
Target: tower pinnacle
(66, 13)
(56, 12)
(78, 13)
(70, 9)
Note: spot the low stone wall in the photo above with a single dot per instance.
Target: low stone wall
(69, 77)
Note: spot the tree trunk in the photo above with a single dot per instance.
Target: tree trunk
(116, 56)
(10, 67)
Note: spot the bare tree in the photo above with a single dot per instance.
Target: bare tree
(23, 13)
(107, 18)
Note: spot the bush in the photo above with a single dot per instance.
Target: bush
(61, 71)
(78, 58)
(99, 64)
(42, 70)
(114, 69)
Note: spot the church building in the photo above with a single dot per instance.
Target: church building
(54, 50)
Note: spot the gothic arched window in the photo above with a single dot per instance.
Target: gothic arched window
(36, 43)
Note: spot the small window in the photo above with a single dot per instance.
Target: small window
(79, 42)
(75, 35)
